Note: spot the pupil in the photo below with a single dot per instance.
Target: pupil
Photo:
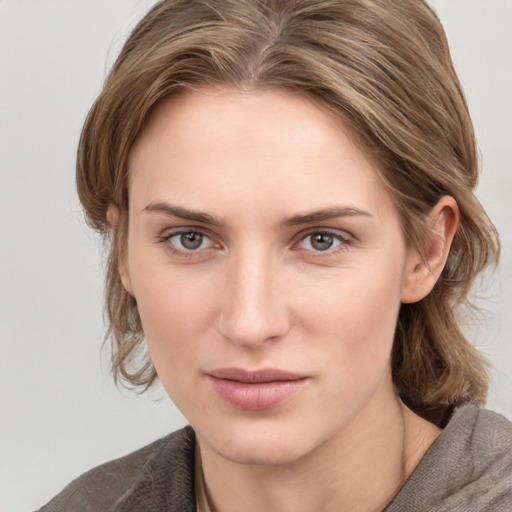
(321, 242)
(191, 240)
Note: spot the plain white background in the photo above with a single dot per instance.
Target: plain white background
(60, 413)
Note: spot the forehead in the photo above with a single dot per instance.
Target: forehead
(265, 146)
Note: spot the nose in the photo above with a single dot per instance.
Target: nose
(254, 306)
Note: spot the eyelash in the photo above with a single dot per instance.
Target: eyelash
(344, 240)
(166, 240)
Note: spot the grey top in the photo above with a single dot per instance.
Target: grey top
(467, 469)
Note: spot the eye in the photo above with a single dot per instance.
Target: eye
(321, 241)
(187, 241)
(191, 241)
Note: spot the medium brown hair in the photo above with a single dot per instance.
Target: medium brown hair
(383, 67)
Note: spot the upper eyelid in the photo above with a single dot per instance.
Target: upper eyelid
(340, 233)
(170, 232)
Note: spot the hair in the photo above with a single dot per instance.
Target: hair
(382, 67)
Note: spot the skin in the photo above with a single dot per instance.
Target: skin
(258, 293)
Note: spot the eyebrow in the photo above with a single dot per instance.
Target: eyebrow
(182, 213)
(306, 218)
(324, 214)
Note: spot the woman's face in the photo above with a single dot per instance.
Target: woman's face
(268, 264)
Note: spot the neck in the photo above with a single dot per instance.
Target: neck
(360, 468)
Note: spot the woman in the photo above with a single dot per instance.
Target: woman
(288, 191)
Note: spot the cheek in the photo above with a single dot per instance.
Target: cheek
(355, 301)
(173, 321)
(358, 317)
(176, 311)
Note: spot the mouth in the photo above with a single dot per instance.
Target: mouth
(256, 390)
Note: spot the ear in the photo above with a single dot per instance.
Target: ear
(112, 216)
(112, 221)
(423, 270)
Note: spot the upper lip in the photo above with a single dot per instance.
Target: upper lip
(255, 376)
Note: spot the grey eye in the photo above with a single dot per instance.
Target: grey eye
(191, 240)
(188, 242)
(321, 241)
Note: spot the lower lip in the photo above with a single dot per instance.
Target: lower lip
(256, 396)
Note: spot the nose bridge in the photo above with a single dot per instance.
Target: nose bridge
(254, 309)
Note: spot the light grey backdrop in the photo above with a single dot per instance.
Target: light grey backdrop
(59, 411)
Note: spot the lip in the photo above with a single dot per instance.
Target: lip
(255, 390)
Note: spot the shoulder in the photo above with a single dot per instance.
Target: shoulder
(482, 441)
(492, 432)
(163, 469)
(468, 468)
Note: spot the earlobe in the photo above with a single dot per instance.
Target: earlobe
(112, 221)
(112, 216)
(423, 269)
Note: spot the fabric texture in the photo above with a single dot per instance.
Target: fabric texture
(467, 469)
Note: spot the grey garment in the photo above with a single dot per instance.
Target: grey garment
(467, 469)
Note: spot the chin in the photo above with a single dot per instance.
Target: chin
(261, 454)
(260, 443)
